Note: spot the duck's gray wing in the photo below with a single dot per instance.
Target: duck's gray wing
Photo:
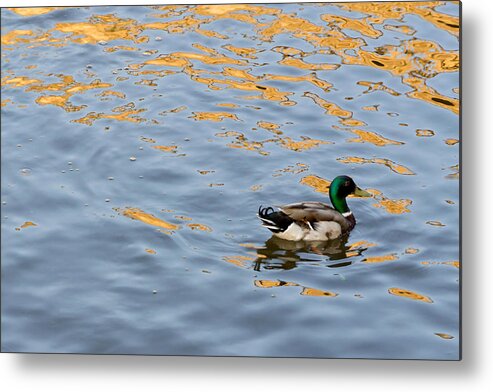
(314, 211)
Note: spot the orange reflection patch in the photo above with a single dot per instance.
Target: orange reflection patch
(239, 261)
(127, 114)
(455, 264)
(329, 107)
(361, 26)
(300, 64)
(373, 138)
(295, 169)
(396, 168)
(425, 93)
(444, 335)
(310, 78)
(26, 224)
(14, 37)
(35, 11)
(306, 143)
(267, 284)
(317, 293)
(198, 226)
(19, 81)
(138, 214)
(361, 244)
(102, 28)
(166, 148)
(243, 52)
(319, 184)
(377, 86)
(112, 49)
(409, 294)
(400, 29)
(380, 259)
(392, 206)
(271, 127)
(112, 93)
(451, 142)
(68, 86)
(424, 132)
(214, 116)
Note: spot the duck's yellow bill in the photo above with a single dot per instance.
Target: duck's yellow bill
(361, 193)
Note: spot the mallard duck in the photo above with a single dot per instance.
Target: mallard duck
(313, 220)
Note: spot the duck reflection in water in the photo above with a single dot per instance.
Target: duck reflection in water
(284, 254)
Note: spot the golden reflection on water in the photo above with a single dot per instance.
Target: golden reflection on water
(396, 168)
(13, 37)
(455, 172)
(414, 61)
(172, 149)
(409, 294)
(19, 81)
(108, 93)
(102, 28)
(214, 116)
(35, 11)
(424, 132)
(373, 108)
(329, 107)
(67, 85)
(373, 138)
(451, 141)
(392, 206)
(198, 226)
(138, 214)
(377, 86)
(455, 264)
(361, 244)
(430, 95)
(267, 284)
(444, 335)
(119, 47)
(305, 143)
(169, 228)
(294, 169)
(400, 29)
(238, 260)
(108, 28)
(319, 184)
(25, 225)
(380, 259)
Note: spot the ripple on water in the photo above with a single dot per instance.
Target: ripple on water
(138, 143)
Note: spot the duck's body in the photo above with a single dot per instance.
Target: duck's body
(314, 221)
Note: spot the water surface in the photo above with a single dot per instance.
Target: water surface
(138, 143)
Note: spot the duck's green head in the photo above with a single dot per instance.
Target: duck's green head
(340, 188)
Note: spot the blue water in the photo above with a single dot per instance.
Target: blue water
(204, 278)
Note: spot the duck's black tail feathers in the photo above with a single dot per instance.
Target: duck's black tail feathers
(275, 221)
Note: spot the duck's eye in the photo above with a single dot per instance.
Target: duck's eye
(347, 184)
